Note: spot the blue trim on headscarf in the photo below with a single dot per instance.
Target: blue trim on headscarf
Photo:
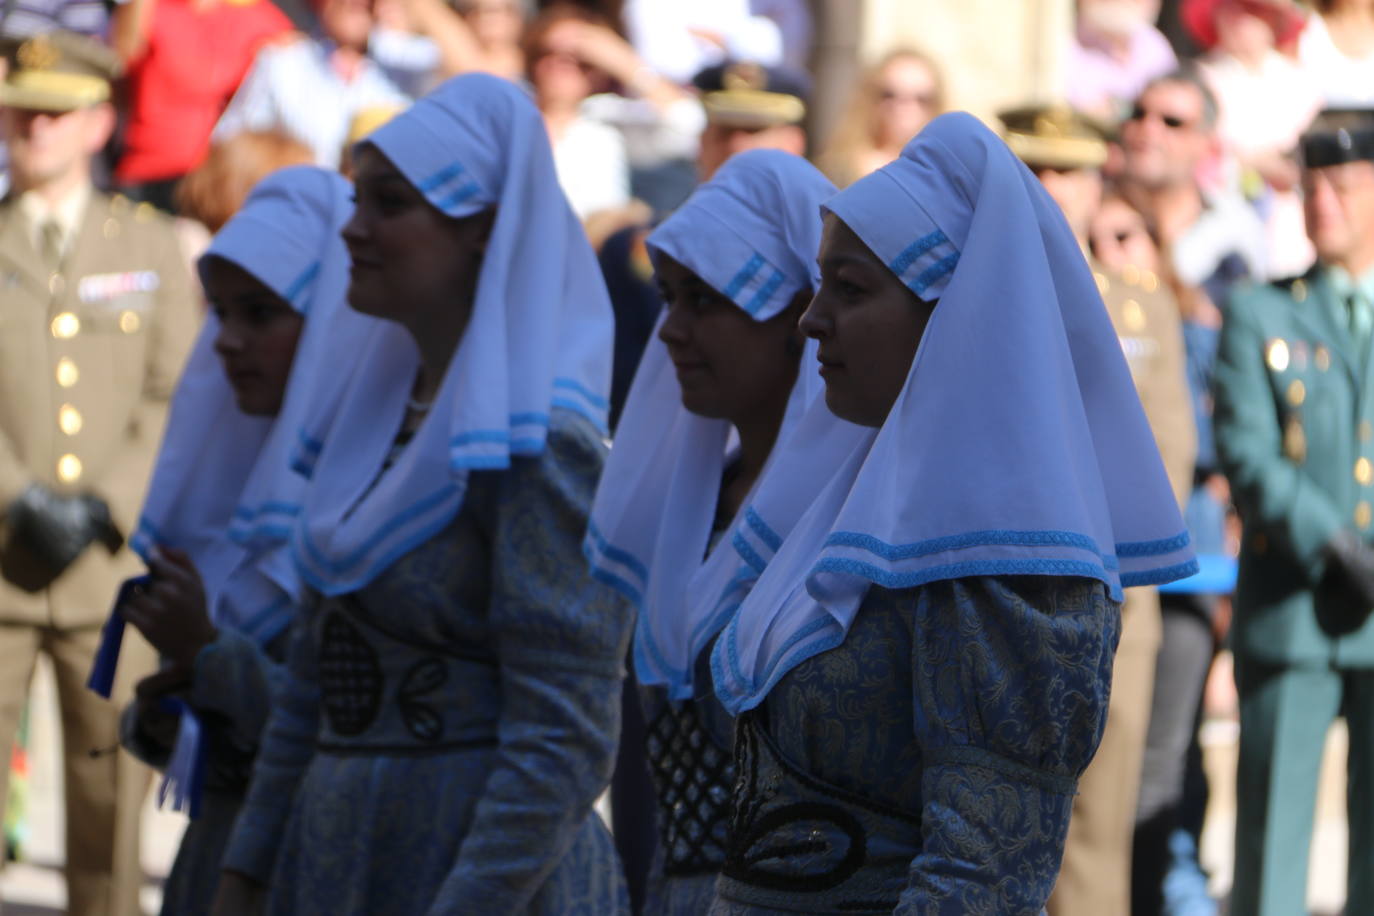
(311, 446)
(748, 553)
(615, 554)
(300, 286)
(908, 255)
(745, 274)
(1153, 548)
(778, 658)
(940, 268)
(760, 527)
(271, 507)
(1035, 567)
(419, 508)
(459, 195)
(447, 173)
(995, 537)
(765, 293)
(592, 397)
(1161, 576)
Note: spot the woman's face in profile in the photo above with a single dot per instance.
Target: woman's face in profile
(868, 325)
(258, 333)
(407, 257)
(728, 365)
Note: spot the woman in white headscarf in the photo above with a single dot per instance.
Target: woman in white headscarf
(450, 710)
(921, 671)
(223, 588)
(735, 264)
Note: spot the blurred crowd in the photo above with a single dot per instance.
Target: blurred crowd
(1172, 149)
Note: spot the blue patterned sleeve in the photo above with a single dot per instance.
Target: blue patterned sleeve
(235, 678)
(560, 639)
(1011, 679)
(288, 743)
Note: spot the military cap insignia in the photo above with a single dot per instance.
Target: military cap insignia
(744, 75)
(38, 54)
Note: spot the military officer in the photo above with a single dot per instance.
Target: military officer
(1065, 150)
(96, 315)
(1295, 432)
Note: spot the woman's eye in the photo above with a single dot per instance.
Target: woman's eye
(390, 203)
(847, 288)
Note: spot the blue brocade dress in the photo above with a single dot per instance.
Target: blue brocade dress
(928, 764)
(444, 732)
(690, 760)
(231, 689)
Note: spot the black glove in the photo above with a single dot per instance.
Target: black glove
(47, 532)
(1348, 585)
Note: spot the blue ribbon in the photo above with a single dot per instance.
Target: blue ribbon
(111, 638)
(184, 780)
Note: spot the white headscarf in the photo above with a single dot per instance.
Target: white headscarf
(1017, 446)
(752, 234)
(222, 489)
(540, 337)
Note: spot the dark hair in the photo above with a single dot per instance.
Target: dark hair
(1190, 76)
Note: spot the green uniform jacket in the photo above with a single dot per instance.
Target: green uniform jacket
(1295, 432)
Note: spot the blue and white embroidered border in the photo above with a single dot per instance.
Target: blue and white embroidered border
(754, 285)
(926, 264)
(450, 187)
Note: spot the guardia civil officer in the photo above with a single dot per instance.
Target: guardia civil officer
(1295, 433)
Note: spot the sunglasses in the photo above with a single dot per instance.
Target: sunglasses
(924, 99)
(1124, 234)
(1173, 122)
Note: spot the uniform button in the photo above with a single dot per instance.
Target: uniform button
(1133, 315)
(68, 468)
(1363, 514)
(56, 283)
(1322, 358)
(1299, 290)
(1131, 274)
(1276, 354)
(69, 419)
(1364, 472)
(144, 212)
(129, 321)
(67, 375)
(1149, 281)
(1297, 392)
(110, 228)
(66, 325)
(1366, 430)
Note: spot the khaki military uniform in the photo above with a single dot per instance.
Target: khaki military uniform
(90, 350)
(1095, 876)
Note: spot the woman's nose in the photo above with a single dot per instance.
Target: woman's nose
(815, 321)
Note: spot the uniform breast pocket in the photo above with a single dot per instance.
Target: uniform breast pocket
(126, 315)
(1317, 418)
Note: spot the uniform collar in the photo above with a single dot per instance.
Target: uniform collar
(67, 213)
(1345, 285)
